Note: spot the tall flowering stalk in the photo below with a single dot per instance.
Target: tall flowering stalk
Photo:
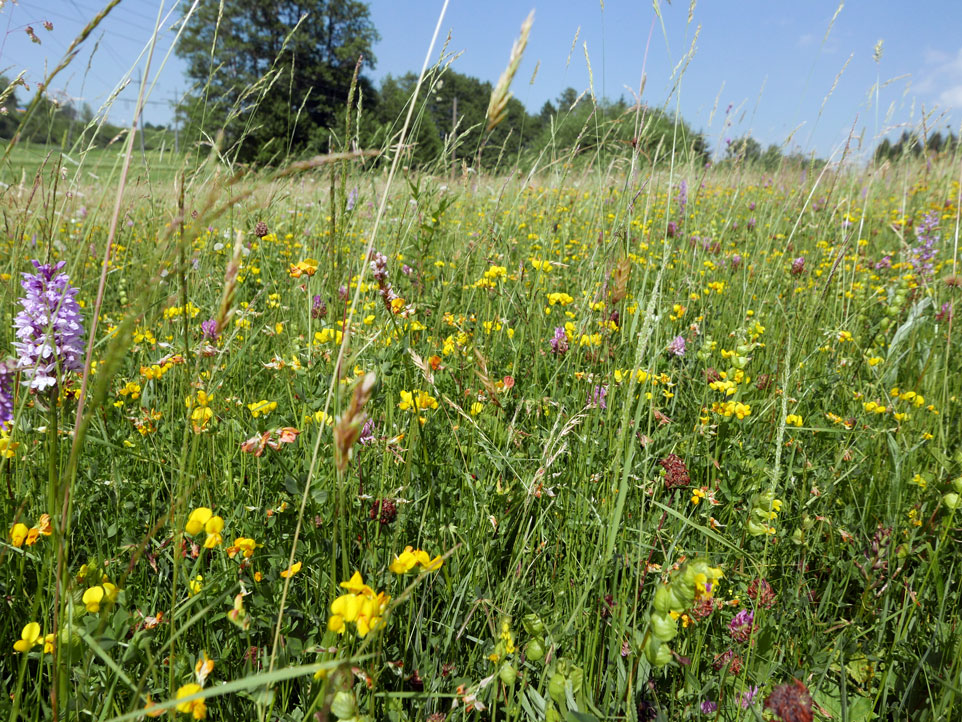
(6, 395)
(49, 328)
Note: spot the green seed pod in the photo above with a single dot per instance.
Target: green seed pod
(957, 484)
(951, 500)
(508, 673)
(663, 599)
(533, 625)
(556, 687)
(344, 706)
(534, 650)
(798, 537)
(663, 626)
(551, 713)
(743, 349)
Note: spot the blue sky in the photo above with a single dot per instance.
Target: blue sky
(770, 61)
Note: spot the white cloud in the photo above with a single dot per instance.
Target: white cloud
(942, 78)
(951, 97)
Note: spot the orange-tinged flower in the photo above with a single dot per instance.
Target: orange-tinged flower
(307, 267)
(203, 668)
(242, 545)
(32, 535)
(46, 528)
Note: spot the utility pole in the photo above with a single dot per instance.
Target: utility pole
(454, 152)
(176, 126)
(143, 148)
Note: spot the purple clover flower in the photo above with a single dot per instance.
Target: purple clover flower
(367, 433)
(945, 314)
(49, 327)
(748, 697)
(798, 266)
(709, 707)
(677, 346)
(209, 329)
(351, 199)
(318, 307)
(6, 395)
(598, 397)
(740, 627)
(559, 343)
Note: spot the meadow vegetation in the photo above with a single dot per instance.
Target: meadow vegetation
(615, 434)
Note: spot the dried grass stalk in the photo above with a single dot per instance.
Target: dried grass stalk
(498, 105)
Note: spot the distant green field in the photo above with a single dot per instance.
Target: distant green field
(96, 165)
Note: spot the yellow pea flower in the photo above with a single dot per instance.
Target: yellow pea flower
(197, 520)
(92, 599)
(28, 638)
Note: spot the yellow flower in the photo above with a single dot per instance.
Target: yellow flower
(261, 408)
(476, 408)
(203, 668)
(92, 599)
(214, 526)
(29, 638)
(417, 401)
(48, 644)
(18, 533)
(242, 544)
(196, 584)
(307, 267)
(43, 523)
(793, 420)
(404, 562)
(410, 558)
(292, 570)
(356, 585)
(111, 591)
(8, 448)
(696, 496)
(196, 707)
(198, 518)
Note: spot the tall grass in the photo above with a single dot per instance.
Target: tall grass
(545, 475)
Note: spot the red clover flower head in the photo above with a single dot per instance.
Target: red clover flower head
(791, 702)
(49, 327)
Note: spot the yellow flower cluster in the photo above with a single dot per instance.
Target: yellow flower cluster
(361, 606)
(415, 401)
(562, 299)
(176, 311)
(30, 637)
(411, 557)
(732, 408)
(20, 534)
(326, 335)
(261, 408)
(307, 267)
(201, 412)
(203, 519)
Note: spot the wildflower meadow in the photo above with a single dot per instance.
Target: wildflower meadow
(618, 435)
